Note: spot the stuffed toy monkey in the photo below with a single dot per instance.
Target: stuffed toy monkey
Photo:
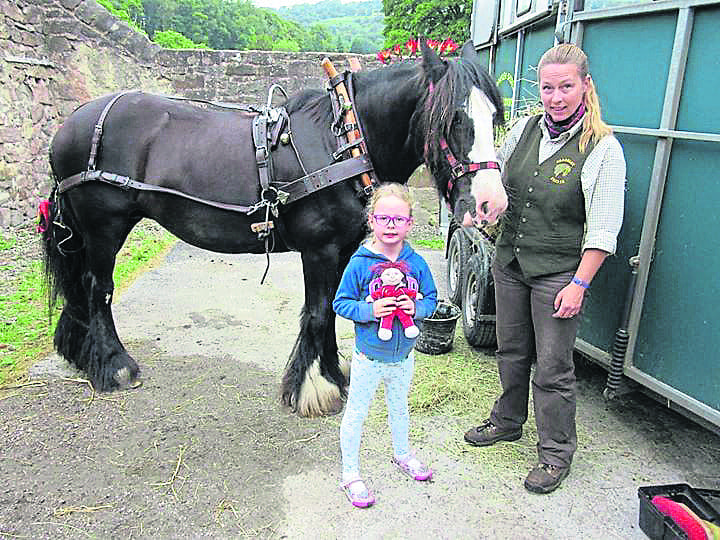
(393, 279)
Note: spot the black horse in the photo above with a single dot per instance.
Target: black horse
(436, 111)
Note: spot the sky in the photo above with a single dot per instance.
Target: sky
(282, 3)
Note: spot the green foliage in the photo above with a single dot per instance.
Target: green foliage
(170, 39)
(24, 329)
(330, 25)
(130, 11)
(239, 25)
(437, 242)
(359, 34)
(350, 27)
(224, 24)
(432, 19)
(6, 243)
(286, 45)
(329, 9)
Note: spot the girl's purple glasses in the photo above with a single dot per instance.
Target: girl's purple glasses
(397, 221)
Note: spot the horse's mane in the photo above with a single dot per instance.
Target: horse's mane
(449, 93)
(435, 108)
(315, 102)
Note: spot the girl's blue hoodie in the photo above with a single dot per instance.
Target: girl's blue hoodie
(350, 303)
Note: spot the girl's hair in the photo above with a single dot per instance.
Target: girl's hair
(390, 189)
(593, 126)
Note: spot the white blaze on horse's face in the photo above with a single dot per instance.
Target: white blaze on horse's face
(487, 188)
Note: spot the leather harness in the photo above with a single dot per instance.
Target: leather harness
(270, 125)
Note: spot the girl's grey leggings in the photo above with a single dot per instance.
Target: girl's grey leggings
(365, 375)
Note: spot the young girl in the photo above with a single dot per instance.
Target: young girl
(383, 351)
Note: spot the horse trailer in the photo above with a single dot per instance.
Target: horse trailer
(648, 317)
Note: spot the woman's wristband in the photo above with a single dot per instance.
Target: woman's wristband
(577, 281)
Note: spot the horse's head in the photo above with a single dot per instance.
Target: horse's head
(463, 106)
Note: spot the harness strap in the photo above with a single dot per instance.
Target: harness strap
(338, 154)
(351, 93)
(327, 176)
(262, 156)
(97, 132)
(297, 189)
(125, 182)
(349, 115)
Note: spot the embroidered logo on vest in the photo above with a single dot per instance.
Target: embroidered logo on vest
(563, 167)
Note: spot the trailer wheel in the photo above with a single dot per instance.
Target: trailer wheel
(456, 268)
(478, 309)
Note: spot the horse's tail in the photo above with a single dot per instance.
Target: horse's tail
(65, 264)
(63, 253)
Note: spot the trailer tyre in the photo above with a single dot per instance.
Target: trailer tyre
(478, 308)
(457, 263)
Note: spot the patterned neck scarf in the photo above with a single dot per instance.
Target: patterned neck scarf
(556, 128)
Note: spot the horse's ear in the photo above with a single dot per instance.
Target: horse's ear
(468, 50)
(432, 64)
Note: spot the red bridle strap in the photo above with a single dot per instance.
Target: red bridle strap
(460, 169)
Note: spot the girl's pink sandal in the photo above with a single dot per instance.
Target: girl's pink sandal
(361, 500)
(414, 468)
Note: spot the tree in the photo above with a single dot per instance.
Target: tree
(170, 39)
(432, 19)
(239, 25)
(130, 11)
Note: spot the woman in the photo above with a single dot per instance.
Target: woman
(565, 175)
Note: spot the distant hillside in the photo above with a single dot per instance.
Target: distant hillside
(354, 26)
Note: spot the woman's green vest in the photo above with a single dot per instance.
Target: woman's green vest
(544, 225)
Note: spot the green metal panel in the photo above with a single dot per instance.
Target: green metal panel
(629, 59)
(644, 66)
(603, 310)
(699, 105)
(484, 56)
(505, 69)
(537, 41)
(678, 341)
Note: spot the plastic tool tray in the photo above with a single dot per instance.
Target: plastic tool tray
(656, 525)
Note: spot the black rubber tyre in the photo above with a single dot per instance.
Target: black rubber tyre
(458, 256)
(478, 309)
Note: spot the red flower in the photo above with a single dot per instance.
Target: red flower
(448, 46)
(384, 56)
(411, 46)
(433, 44)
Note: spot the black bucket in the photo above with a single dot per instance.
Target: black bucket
(438, 331)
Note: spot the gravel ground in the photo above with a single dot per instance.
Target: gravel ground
(203, 449)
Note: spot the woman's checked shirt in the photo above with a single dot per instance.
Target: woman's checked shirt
(602, 178)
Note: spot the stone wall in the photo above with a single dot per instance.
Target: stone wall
(57, 54)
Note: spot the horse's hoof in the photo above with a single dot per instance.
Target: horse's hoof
(124, 379)
(334, 408)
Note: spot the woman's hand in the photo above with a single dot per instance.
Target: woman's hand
(569, 301)
(382, 307)
(406, 303)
